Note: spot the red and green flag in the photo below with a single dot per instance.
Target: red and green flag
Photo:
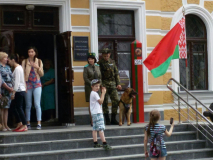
(172, 46)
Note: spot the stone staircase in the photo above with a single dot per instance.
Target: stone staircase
(76, 143)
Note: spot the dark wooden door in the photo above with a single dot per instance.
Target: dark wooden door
(65, 78)
(7, 42)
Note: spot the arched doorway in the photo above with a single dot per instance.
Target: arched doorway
(196, 37)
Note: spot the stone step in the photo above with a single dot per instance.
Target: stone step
(172, 155)
(85, 143)
(76, 133)
(100, 152)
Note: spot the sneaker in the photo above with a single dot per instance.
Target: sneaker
(28, 126)
(107, 147)
(97, 145)
(38, 127)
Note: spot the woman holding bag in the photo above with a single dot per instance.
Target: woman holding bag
(33, 70)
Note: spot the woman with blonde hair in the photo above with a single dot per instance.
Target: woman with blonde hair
(7, 81)
(33, 71)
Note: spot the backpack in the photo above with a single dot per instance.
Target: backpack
(155, 145)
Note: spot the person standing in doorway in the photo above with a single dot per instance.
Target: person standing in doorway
(18, 93)
(48, 90)
(91, 71)
(33, 71)
(7, 80)
(110, 80)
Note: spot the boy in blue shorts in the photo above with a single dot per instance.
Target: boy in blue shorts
(97, 114)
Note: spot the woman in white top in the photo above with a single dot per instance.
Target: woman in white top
(18, 93)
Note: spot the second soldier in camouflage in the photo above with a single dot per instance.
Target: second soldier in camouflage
(110, 80)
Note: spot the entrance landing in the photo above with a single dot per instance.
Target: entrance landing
(55, 129)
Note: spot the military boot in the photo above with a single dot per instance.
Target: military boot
(107, 119)
(113, 120)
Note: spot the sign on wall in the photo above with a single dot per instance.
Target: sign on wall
(124, 78)
(81, 48)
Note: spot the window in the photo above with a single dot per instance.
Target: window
(197, 55)
(116, 31)
(14, 18)
(44, 18)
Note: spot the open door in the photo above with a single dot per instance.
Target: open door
(7, 42)
(65, 78)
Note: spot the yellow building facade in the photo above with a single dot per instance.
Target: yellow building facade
(157, 18)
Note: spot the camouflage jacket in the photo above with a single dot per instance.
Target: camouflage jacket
(89, 75)
(109, 73)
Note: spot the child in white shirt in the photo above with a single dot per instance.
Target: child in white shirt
(97, 113)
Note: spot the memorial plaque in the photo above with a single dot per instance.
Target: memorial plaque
(81, 48)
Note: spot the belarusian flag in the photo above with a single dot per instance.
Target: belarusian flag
(172, 46)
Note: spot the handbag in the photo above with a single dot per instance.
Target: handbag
(3, 101)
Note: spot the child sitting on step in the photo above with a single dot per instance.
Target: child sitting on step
(155, 132)
(97, 114)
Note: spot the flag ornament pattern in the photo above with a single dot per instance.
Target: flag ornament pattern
(172, 46)
(182, 40)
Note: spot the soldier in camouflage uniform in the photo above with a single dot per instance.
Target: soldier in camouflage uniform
(91, 71)
(110, 80)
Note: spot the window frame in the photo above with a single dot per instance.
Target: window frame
(190, 41)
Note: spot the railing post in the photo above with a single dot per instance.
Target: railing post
(197, 136)
(179, 107)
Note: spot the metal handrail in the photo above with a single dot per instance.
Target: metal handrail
(168, 86)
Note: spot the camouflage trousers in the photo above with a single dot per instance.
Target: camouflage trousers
(113, 93)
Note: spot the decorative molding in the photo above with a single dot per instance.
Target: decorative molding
(156, 32)
(150, 49)
(201, 3)
(64, 9)
(148, 31)
(78, 89)
(184, 2)
(78, 68)
(80, 28)
(158, 88)
(83, 11)
(159, 13)
(207, 18)
(79, 11)
(140, 24)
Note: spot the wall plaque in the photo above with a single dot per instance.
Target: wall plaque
(81, 48)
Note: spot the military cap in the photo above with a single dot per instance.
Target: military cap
(91, 55)
(106, 50)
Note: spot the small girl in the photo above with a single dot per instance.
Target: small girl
(152, 129)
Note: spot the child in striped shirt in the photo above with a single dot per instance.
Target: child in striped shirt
(152, 129)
